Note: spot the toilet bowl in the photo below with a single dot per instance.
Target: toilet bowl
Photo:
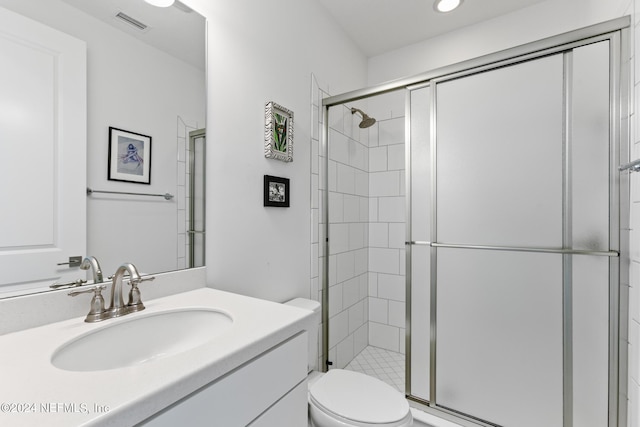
(341, 398)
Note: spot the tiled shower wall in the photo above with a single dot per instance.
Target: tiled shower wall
(366, 217)
(387, 233)
(348, 230)
(182, 188)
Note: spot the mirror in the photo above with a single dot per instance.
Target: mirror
(145, 75)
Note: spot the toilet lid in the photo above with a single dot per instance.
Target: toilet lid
(359, 397)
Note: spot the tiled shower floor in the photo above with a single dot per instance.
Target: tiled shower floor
(385, 365)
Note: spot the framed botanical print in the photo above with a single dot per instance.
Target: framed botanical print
(278, 135)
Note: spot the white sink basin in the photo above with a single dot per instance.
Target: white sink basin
(141, 339)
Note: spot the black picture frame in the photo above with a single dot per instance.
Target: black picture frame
(276, 191)
(129, 156)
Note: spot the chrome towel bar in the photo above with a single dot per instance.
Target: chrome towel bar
(167, 196)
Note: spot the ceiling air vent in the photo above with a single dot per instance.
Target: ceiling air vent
(131, 21)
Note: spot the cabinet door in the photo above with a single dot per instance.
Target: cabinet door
(42, 166)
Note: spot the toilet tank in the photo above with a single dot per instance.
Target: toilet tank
(314, 306)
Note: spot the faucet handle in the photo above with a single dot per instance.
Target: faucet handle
(97, 311)
(73, 284)
(135, 299)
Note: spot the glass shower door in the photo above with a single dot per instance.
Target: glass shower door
(510, 241)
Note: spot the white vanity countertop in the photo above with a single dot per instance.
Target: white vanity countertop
(31, 388)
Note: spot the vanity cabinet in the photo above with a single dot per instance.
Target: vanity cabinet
(268, 391)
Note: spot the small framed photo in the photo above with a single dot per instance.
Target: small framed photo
(278, 135)
(129, 156)
(276, 191)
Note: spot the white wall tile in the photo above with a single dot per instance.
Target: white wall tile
(336, 119)
(314, 225)
(397, 235)
(361, 261)
(336, 207)
(335, 299)
(345, 352)
(378, 310)
(345, 268)
(333, 270)
(384, 336)
(361, 338)
(350, 293)
(379, 234)
(314, 191)
(391, 131)
(374, 135)
(348, 120)
(338, 147)
(346, 179)
(397, 314)
(315, 122)
(391, 287)
(356, 316)
(351, 208)
(373, 209)
(364, 284)
(373, 284)
(314, 260)
(384, 260)
(378, 159)
(332, 173)
(338, 328)
(356, 236)
(384, 184)
(339, 238)
(364, 208)
(396, 157)
(391, 209)
(358, 155)
(361, 183)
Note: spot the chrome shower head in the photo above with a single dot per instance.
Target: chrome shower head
(366, 120)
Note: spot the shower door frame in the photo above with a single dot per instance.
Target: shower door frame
(617, 33)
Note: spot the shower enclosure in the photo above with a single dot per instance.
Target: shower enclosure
(514, 216)
(197, 191)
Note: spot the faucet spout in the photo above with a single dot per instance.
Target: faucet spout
(117, 306)
(92, 263)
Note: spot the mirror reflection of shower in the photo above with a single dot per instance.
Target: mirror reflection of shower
(196, 230)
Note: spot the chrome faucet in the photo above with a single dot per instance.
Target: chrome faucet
(117, 306)
(92, 263)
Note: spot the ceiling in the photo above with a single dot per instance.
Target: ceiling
(177, 30)
(379, 26)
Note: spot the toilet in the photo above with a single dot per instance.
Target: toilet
(341, 398)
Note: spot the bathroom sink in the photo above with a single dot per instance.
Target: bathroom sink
(141, 339)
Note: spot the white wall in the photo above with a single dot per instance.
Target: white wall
(128, 83)
(541, 20)
(260, 52)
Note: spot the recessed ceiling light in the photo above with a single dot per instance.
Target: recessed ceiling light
(446, 5)
(160, 3)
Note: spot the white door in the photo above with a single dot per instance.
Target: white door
(43, 159)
